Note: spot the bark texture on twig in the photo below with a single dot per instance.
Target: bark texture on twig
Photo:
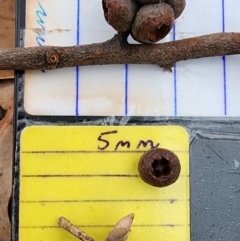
(64, 223)
(118, 51)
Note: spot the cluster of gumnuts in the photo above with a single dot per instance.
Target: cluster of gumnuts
(148, 21)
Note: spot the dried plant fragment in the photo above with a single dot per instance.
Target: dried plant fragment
(120, 13)
(64, 223)
(119, 232)
(6, 151)
(152, 23)
(178, 6)
(121, 229)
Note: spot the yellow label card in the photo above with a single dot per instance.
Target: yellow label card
(89, 175)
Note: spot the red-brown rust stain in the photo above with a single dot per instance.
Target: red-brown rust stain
(52, 58)
(64, 51)
(167, 19)
(235, 37)
(156, 28)
(193, 43)
(99, 52)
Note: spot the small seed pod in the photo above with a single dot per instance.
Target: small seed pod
(159, 167)
(152, 23)
(177, 5)
(150, 1)
(120, 13)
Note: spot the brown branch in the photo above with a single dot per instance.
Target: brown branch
(118, 51)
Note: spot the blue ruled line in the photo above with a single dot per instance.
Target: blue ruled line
(175, 77)
(77, 68)
(224, 62)
(126, 89)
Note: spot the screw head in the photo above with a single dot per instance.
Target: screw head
(159, 167)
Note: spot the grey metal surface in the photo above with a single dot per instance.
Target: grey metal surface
(215, 189)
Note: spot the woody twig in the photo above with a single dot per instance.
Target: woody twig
(118, 51)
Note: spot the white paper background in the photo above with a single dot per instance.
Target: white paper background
(204, 87)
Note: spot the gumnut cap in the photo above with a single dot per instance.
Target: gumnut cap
(152, 23)
(159, 167)
(120, 13)
(150, 1)
(178, 6)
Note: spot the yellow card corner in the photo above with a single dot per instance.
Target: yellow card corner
(89, 175)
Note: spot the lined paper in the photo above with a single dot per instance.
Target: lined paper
(70, 172)
(205, 87)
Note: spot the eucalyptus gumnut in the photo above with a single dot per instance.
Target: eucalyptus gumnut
(152, 23)
(120, 13)
(178, 6)
(150, 1)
